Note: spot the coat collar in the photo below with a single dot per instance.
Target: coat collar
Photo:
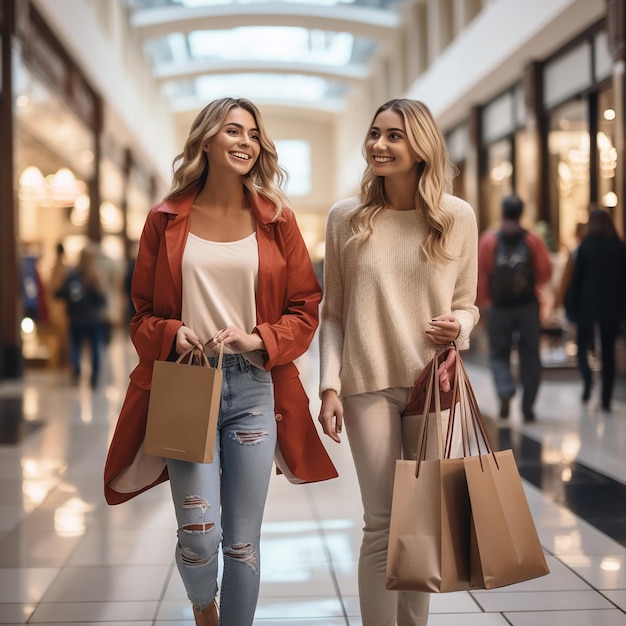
(264, 210)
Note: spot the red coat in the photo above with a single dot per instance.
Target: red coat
(288, 297)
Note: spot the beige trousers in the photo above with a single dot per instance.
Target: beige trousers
(378, 436)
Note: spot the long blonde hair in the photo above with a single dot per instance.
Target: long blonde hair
(435, 174)
(191, 166)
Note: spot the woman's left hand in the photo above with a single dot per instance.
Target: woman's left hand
(446, 371)
(443, 329)
(236, 339)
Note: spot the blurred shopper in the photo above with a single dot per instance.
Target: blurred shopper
(111, 279)
(83, 294)
(221, 261)
(513, 264)
(598, 299)
(399, 280)
(57, 310)
(564, 292)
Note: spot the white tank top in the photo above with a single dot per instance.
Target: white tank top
(219, 287)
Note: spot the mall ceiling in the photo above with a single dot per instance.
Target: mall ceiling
(301, 55)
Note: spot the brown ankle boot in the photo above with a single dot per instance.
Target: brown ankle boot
(208, 617)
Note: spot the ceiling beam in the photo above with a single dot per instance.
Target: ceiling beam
(187, 104)
(367, 22)
(166, 72)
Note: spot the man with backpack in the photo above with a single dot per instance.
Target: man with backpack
(513, 264)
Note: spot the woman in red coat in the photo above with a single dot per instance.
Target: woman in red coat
(221, 261)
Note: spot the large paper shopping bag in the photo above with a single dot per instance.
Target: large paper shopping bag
(506, 548)
(184, 408)
(430, 527)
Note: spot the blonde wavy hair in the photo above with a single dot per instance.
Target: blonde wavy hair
(435, 173)
(191, 166)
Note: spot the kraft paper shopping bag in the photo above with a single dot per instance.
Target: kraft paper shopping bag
(507, 544)
(429, 531)
(430, 523)
(184, 408)
(505, 547)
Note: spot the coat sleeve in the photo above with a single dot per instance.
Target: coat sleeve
(152, 331)
(290, 336)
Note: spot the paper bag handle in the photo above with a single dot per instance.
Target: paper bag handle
(195, 352)
(433, 387)
(471, 417)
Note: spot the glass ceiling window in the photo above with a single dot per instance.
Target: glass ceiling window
(292, 87)
(272, 44)
(271, 62)
(269, 44)
(261, 43)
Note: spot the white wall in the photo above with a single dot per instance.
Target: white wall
(494, 49)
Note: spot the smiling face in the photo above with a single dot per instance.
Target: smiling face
(387, 147)
(236, 145)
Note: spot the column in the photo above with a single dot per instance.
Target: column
(10, 271)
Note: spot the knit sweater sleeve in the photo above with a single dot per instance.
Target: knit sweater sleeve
(331, 316)
(464, 295)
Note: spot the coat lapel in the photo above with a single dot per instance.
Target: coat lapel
(176, 231)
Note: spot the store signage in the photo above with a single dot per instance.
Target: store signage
(46, 56)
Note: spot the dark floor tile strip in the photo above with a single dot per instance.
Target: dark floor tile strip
(592, 496)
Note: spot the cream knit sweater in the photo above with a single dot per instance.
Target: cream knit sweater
(380, 295)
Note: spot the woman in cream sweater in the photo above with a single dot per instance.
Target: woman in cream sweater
(400, 279)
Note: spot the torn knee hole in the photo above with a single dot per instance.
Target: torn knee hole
(190, 558)
(242, 552)
(195, 502)
(249, 437)
(198, 528)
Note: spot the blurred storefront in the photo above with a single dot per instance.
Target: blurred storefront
(555, 138)
(66, 180)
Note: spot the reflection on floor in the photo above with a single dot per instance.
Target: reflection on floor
(68, 558)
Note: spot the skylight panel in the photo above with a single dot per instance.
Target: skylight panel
(262, 86)
(270, 43)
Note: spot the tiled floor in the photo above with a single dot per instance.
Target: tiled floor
(68, 558)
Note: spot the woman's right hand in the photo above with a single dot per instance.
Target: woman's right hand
(186, 339)
(331, 414)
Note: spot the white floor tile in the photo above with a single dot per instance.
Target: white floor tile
(467, 619)
(15, 613)
(25, 585)
(457, 602)
(541, 600)
(298, 608)
(94, 612)
(125, 547)
(618, 598)
(108, 584)
(567, 618)
(606, 571)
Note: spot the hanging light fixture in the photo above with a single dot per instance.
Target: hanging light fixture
(32, 185)
(64, 188)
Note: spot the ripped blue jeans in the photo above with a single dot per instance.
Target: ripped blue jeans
(223, 501)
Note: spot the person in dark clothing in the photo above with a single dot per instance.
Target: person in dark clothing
(513, 319)
(85, 302)
(599, 299)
